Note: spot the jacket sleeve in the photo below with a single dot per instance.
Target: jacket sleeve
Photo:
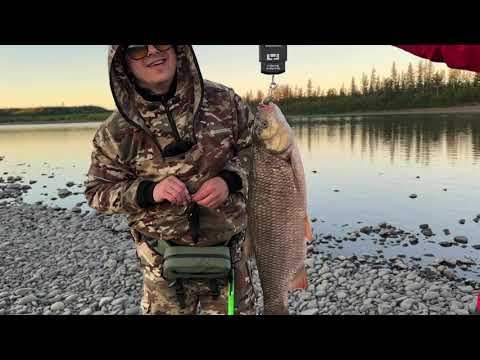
(111, 186)
(240, 164)
(464, 57)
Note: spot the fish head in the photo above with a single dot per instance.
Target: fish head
(271, 129)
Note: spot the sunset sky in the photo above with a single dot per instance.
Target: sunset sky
(40, 75)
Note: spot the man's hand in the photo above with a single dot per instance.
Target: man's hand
(173, 190)
(212, 194)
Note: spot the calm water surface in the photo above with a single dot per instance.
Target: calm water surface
(372, 161)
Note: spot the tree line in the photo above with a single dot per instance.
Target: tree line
(423, 86)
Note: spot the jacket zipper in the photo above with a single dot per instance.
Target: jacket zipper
(171, 120)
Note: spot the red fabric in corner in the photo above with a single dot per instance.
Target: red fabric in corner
(463, 57)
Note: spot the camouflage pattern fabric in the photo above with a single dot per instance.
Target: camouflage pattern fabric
(160, 296)
(128, 149)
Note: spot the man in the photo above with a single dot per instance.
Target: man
(175, 157)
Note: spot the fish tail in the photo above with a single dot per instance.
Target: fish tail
(300, 280)
(308, 229)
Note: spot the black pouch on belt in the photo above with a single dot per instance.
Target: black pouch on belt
(194, 222)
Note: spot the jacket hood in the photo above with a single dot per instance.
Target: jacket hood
(123, 90)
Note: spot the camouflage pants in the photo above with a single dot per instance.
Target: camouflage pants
(160, 296)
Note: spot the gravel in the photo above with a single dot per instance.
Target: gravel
(62, 262)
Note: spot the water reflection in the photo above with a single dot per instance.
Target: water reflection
(423, 139)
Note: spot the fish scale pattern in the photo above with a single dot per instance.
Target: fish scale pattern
(276, 224)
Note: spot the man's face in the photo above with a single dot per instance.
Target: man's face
(157, 68)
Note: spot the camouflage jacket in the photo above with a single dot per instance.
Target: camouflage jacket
(128, 150)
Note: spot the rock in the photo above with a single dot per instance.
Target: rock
(461, 239)
(407, 304)
(366, 230)
(341, 295)
(449, 263)
(70, 184)
(122, 228)
(413, 241)
(413, 196)
(445, 243)
(27, 299)
(466, 261)
(384, 309)
(119, 301)
(105, 300)
(424, 226)
(63, 193)
(449, 275)
(476, 247)
(22, 291)
(461, 221)
(414, 287)
(385, 233)
(58, 306)
(132, 311)
(309, 312)
(86, 311)
(76, 210)
(446, 232)
(430, 295)
(427, 232)
(71, 298)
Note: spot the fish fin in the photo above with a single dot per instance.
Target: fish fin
(300, 280)
(308, 229)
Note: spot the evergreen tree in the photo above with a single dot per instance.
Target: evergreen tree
(353, 88)
(476, 80)
(394, 77)
(373, 80)
(332, 92)
(420, 75)
(365, 84)
(429, 73)
(453, 77)
(309, 88)
(410, 77)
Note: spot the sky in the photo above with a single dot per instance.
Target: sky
(41, 75)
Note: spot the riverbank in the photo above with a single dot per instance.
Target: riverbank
(65, 114)
(98, 118)
(471, 109)
(59, 261)
(56, 120)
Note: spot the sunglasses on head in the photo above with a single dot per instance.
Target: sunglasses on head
(138, 52)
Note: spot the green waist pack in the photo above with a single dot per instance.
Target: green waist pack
(188, 262)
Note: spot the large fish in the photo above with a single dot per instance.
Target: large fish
(278, 225)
